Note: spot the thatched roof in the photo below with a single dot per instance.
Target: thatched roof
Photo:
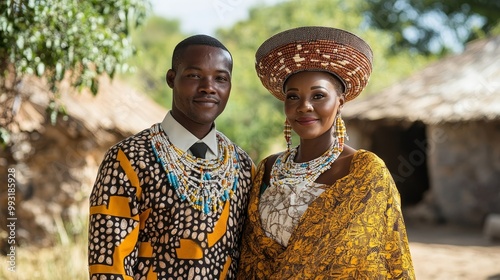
(461, 87)
(117, 108)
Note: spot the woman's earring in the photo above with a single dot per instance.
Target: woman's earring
(287, 130)
(340, 130)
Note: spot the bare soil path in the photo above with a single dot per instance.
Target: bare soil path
(453, 253)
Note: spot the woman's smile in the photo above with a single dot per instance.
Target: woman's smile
(306, 121)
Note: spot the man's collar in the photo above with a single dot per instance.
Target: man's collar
(183, 138)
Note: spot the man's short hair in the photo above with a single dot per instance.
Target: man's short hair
(196, 40)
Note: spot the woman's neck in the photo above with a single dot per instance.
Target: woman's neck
(310, 149)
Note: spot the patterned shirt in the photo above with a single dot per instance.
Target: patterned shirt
(353, 230)
(140, 229)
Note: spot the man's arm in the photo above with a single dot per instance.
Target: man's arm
(114, 218)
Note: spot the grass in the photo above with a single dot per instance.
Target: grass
(59, 262)
(67, 260)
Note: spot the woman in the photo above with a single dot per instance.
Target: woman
(321, 210)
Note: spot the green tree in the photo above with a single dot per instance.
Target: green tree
(429, 26)
(58, 39)
(155, 41)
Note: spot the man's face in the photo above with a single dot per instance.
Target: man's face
(201, 84)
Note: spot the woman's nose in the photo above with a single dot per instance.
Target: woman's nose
(305, 106)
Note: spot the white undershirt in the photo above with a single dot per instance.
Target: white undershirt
(281, 208)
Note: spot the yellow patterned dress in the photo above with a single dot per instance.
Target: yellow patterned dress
(353, 230)
(140, 229)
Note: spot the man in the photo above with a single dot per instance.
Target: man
(162, 208)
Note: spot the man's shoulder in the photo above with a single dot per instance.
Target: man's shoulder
(242, 154)
(137, 141)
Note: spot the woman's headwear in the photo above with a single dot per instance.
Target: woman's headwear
(314, 48)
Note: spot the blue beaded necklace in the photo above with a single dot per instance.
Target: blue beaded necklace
(286, 171)
(206, 184)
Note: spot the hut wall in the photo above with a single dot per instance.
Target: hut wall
(55, 170)
(359, 135)
(464, 166)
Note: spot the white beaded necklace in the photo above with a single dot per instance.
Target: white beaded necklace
(204, 183)
(286, 172)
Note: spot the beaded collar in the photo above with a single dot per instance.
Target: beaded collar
(203, 183)
(286, 172)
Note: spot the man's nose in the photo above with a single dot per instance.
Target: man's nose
(207, 85)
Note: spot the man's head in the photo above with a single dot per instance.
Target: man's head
(200, 79)
(196, 40)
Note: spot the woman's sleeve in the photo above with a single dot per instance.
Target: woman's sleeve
(114, 219)
(397, 249)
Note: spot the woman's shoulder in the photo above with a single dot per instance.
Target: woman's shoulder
(366, 163)
(269, 160)
(363, 156)
(265, 166)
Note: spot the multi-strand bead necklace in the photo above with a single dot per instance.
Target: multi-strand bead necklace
(286, 172)
(203, 183)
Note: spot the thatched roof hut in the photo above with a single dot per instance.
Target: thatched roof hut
(439, 133)
(56, 165)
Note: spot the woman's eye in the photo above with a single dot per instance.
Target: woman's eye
(318, 96)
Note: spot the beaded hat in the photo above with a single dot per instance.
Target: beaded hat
(314, 48)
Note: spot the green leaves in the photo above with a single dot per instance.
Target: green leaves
(58, 39)
(155, 41)
(434, 27)
(51, 37)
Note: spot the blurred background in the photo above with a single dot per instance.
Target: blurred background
(79, 76)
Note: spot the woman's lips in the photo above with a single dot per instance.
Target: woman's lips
(306, 121)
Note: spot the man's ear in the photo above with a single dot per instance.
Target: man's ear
(169, 77)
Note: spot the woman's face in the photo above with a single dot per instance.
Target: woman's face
(312, 100)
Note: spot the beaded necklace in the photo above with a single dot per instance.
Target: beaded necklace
(203, 183)
(286, 172)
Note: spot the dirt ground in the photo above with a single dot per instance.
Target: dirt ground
(453, 253)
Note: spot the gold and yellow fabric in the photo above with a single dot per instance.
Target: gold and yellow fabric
(353, 230)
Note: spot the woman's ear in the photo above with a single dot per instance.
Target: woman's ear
(169, 77)
(341, 100)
